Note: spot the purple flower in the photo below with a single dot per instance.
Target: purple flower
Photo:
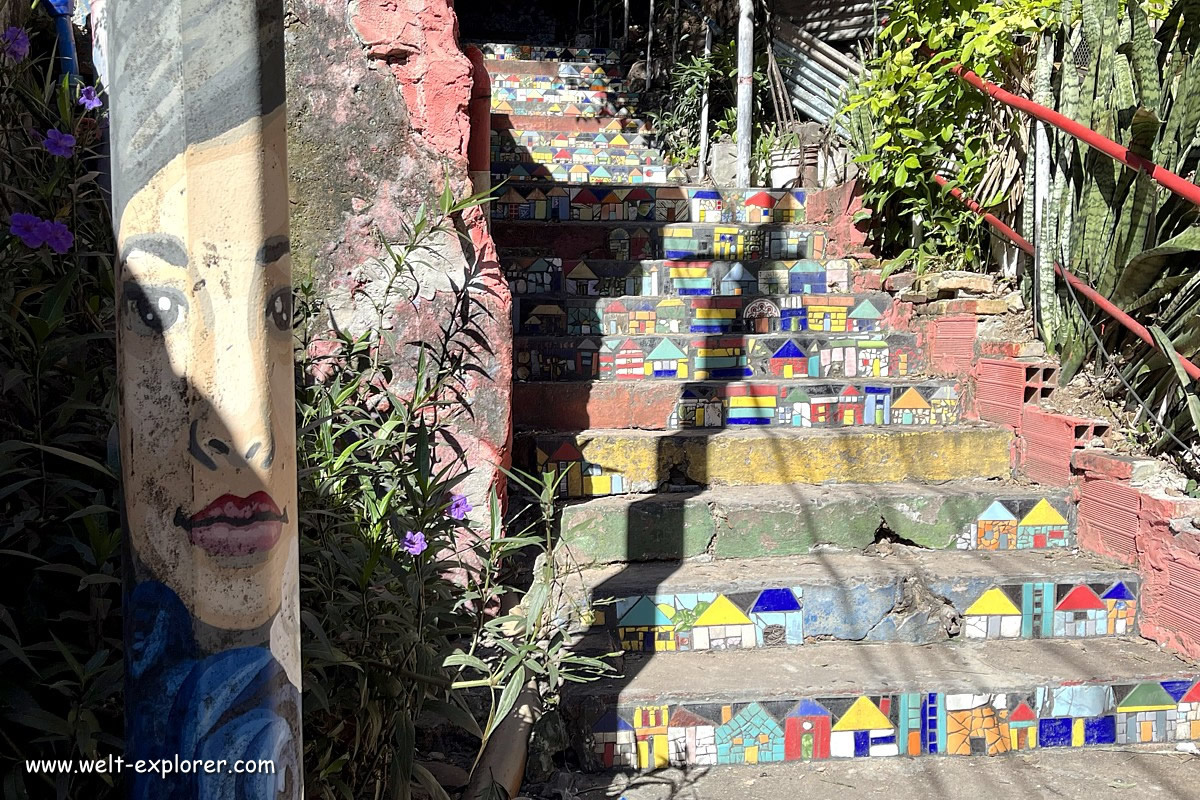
(414, 542)
(14, 44)
(458, 506)
(59, 144)
(58, 236)
(30, 229)
(88, 98)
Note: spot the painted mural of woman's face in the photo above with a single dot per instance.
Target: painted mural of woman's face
(207, 421)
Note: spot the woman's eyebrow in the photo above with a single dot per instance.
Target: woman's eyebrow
(168, 248)
(272, 250)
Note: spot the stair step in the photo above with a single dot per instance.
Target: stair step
(908, 595)
(499, 69)
(751, 314)
(581, 154)
(603, 462)
(668, 404)
(776, 521)
(845, 700)
(585, 105)
(587, 173)
(554, 124)
(701, 205)
(503, 51)
(625, 280)
(520, 84)
(622, 241)
(767, 356)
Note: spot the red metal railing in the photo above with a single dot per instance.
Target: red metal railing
(1164, 177)
(1120, 316)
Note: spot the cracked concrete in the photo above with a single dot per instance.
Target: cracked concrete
(905, 595)
(745, 522)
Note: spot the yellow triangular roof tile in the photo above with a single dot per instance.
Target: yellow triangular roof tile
(863, 715)
(722, 612)
(1043, 514)
(994, 602)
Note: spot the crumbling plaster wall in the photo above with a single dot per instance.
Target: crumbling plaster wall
(378, 94)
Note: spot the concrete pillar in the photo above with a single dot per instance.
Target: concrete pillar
(206, 421)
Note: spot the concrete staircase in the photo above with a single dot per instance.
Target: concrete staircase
(785, 507)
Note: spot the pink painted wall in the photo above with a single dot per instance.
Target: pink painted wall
(379, 96)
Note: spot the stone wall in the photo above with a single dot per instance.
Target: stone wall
(378, 99)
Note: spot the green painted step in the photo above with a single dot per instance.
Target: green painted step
(911, 595)
(776, 521)
(850, 700)
(605, 462)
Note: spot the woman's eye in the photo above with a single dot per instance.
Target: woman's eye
(152, 309)
(279, 308)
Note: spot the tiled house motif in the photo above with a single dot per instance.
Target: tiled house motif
(1043, 526)
(647, 626)
(1187, 717)
(1121, 603)
(614, 742)
(911, 408)
(752, 736)
(863, 730)
(778, 617)
(723, 626)
(577, 477)
(650, 730)
(913, 724)
(691, 739)
(997, 527)
(1080, 613)
(1074, 716)
(1146, 714)
(973, 726)
(807, 731)
(993, 616)
(1022, 727)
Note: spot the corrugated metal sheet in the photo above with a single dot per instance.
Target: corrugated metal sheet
(815, 73)
(831, 20)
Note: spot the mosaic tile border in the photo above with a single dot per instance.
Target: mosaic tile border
(639, 357)
(895, 724)
(781, 616)
(587, 173)
(668, 204)
(781, 282)
(817, 313)
(650, 241)
(501, 51)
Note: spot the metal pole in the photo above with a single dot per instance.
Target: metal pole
(626, 19)
(745, 89)
(675, 35)
(704, 102)
(207, 407)
(649, 42)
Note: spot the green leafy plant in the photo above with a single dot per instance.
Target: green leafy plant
(60, 627)
(910, 117)
(406, 602)
(1135, 242)
(678, 125)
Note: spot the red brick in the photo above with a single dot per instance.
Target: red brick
(900, 281)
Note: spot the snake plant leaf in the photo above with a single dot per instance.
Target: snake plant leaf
(1185, 381)
(1144, 58)
(1162, 288)
(1143, 269)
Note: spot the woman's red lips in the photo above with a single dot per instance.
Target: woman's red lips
(233, 526)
